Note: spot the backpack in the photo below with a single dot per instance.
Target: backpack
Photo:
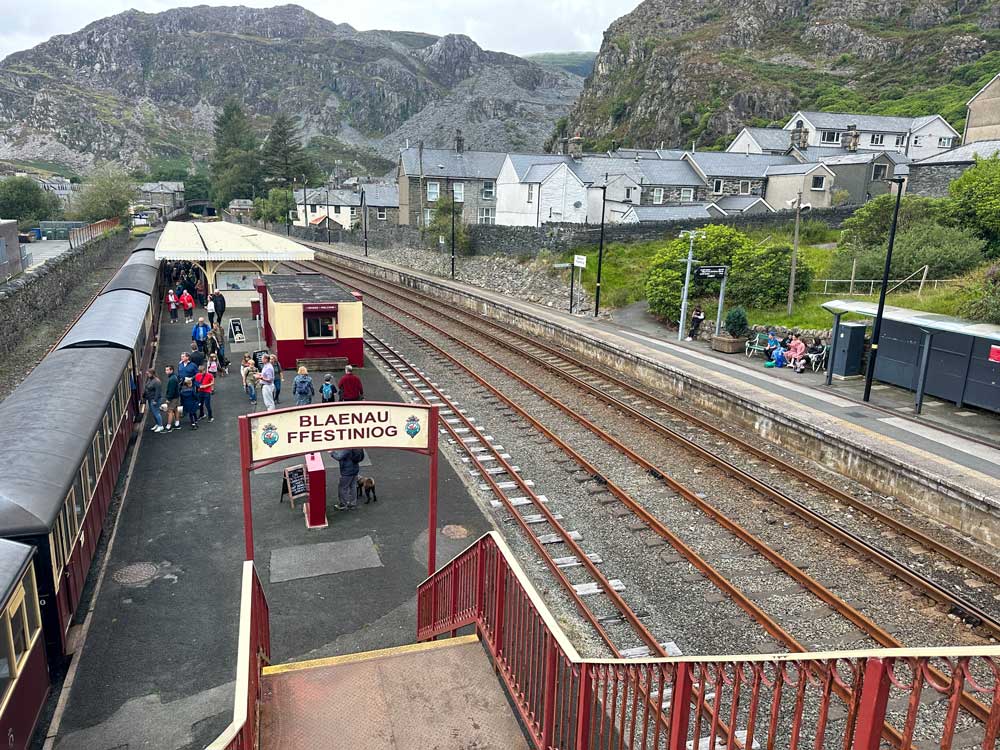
(327, 391)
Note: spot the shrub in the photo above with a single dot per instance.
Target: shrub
(869, 226)
(759, 276)
(737, 324)
(976, 200)
(984, 303)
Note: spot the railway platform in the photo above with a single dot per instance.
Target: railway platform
(155, 664)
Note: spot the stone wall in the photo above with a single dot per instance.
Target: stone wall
(932, 180)
(33, 294)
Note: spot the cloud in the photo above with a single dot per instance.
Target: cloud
(515, 26)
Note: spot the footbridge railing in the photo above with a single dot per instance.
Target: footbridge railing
(851, 700)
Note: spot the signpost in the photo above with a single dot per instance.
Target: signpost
(579, 261)
(715, 272)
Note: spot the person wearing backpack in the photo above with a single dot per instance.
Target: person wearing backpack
(328, 390)
(302, 387)
(349, 460)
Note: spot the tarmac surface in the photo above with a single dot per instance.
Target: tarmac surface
(159, 661)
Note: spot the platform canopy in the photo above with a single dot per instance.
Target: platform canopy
(925, 320)
(220, 241)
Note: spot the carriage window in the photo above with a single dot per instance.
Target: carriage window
(79, 506)
(56, 553)
(91, 476)
(18, 628)
(81, 493)
(6, 674)
(31, 599)
(71, 524)
(98, 451)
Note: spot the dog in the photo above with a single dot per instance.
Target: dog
(366, 485)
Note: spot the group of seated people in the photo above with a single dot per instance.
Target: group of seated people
(792, 351)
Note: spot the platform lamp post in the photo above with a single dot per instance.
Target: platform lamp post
(453, 229)
(600, 250)
(877, 328)
(327, 191)
(364, 219)
(691, 234)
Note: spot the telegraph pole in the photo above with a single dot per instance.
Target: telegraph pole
(600, 251)
(364, 219)
(795, 253)
(690, 234)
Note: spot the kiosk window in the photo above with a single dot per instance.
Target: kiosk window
(321, 327)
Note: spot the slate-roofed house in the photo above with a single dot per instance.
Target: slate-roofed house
(165, 196)
(863, 174)
(425, 174)
(652, 214)
(734, 205)
(930, 177)
(734, 174)
(815, 182)
(671, 181)
(315, 206)
(534, 189)
(917, 137)
(761, 141)
(982, 121)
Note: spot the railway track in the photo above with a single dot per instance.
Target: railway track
(595, 383)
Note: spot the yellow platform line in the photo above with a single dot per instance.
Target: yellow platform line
(331, 661)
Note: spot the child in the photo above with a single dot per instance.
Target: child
(250, 382)
(213, 364)
(328, 390)
(244, 365)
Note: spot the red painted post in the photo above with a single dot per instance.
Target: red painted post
(480, 580)
(872, 708)
(432, 498)
(455, 575)
(498, 612)
(316, 516)
(680, 707)
(244, 433)
(584, 696)
(549, 690)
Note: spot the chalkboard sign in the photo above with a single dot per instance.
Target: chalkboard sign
(258, 358)
(295, 483)
(236, 331)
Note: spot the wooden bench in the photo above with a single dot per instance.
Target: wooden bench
(323, 364)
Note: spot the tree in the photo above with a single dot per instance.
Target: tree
(196, 187)
(23, 199)
(869, 225)
(983, 302)
(440, 226)
(276, 207)
(976, 200)
(283, 161)
(107, 193)
(759, 275)
(235, 168)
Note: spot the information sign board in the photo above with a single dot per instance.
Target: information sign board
(580, 261)
(710, 272)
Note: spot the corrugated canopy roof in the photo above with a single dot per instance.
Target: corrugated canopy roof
(930, 321)
(201, 241)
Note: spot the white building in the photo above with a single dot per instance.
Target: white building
(917, 137)
(535, 189)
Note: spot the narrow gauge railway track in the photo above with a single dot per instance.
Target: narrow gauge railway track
(860, 621)
(563, 365)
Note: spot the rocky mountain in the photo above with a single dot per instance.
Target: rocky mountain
(674, 71)
(143, 88)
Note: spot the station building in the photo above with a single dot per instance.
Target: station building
(231, 256)
(309, 318)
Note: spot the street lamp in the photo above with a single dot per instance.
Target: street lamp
(600, 249)
(453, 229)
(691, 234)
(799, 208)
(364, 219)
(877, 329)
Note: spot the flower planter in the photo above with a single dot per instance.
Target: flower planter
(728, 344)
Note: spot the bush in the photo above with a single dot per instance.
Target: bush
(868, 227)
(811, 231)
(976, 200)
(759, 275)
(737, 324)
(949, 251)
(984, 303)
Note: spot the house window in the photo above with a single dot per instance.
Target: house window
(879, 171)
(657, 196)
(900, 140)
(944, 142)
(489, 191)
(717, 187)
(381, 213)
(744, 187)
(531, 193)
(830, 136)
(628, 195)
(312, 208)
(878, 139)
(687, 195)
(427, 217)
(354, 211)
(487, 216)
(321, 326)
(458, 190)
(916, 140)
(433, 190)
(819, 182)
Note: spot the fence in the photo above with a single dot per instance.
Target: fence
(84, 234)
(253, 654)
(867, 287)
(852, 700)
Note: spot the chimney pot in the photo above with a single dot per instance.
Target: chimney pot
(459, 141)
(575, 146)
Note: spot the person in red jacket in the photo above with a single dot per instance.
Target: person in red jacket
(350, 386)
(173, 303)
(187, 302)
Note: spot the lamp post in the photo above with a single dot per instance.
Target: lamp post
(364, 219)
(877, 328)
(691, 234)
(600, 251)
(453, 230)
(327, 191)
(795, 250)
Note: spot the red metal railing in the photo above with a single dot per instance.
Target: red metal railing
(253, 655)
(82, 235)
(853, 700)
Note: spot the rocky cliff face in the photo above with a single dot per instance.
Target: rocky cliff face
(676, 71)
(138, 87)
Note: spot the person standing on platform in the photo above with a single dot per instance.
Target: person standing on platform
(302, 387)
(279, 376)
(350, 462)
(210, 309)
(172, 393)
(266, 380)
(220, 306)
(328, 390)
(199, 291)
(697, 318)
(172, 304)
(187, 302)
(153, 393)
(350, 386)
(205, 383)
(189, 401)
(186, 368)
(250, 374)
(200, 332)
(196, 355)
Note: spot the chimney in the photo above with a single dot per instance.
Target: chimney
(575, 146)
(852, 137)
(459, 141)
(800, 136)
(614, 145)
(420, 156)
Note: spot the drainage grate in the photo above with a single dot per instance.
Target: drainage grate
(134, 574)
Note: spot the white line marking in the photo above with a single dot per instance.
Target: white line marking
(953, 441)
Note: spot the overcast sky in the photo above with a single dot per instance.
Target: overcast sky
(516, 26)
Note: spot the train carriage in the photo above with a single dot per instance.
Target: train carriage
(24, 678)
(71, 419)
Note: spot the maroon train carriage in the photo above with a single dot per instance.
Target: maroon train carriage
(24, 675)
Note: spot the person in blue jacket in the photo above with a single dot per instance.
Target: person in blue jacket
(186, 368)
(350, 460)
(199, 334)
(189, 400)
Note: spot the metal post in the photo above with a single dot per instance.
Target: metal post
(854, 268)
(795, 253)
(600, 254)
(584, 696)
(925, 355)
(722, 299)
(877, 329)
(244, 433)
(680, 703)
(327, 213)
(364, 219)
(691, 234)
(832, 347)
(872, 706)
(452, 230)
(432, 510)
(923, 280)
(572, 280)
(305, 198)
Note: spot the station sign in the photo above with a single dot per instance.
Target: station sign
(580, 261)
(710, 272)
(344, 424)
